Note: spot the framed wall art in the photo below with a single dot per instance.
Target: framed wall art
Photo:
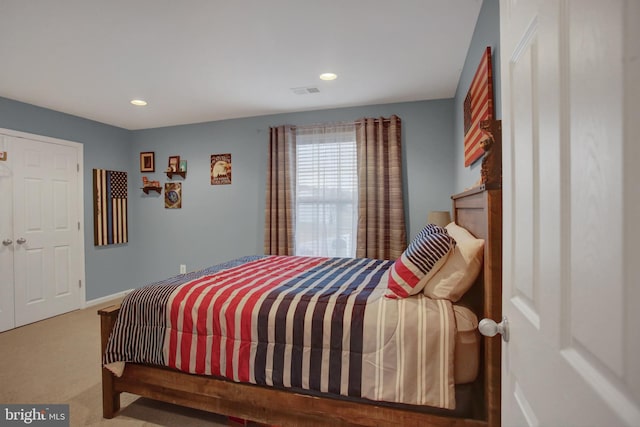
(110, 225)
(173, 195)
(478, 106)
(147, 161)
(220, 169)
(174, 164)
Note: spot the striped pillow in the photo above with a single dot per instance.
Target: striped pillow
(424, 256)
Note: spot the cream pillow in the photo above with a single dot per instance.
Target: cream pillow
(436, 267)
(460, 234)
(461, 268)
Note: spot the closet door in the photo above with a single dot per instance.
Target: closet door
(46, 245)
(6, 242)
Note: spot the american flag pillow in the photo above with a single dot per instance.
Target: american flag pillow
(424, 255)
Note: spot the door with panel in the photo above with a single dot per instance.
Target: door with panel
(7, 320)
(46, 244)
(570, 73)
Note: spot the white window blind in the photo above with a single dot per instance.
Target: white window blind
(326, 191)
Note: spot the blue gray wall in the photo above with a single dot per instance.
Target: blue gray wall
(217, 223)
(486, 33)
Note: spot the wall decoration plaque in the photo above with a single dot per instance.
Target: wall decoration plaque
(173, 195)
(220, 169)
(478, 107)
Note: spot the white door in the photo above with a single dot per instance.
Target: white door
(6, 241)
(571, 156)
(46, 231)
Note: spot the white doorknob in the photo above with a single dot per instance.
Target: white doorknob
(489, 328)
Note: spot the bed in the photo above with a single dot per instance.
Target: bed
(274, 396)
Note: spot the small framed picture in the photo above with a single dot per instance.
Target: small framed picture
(174, 163)
(220, 169)
(173, 195)
(147, 161)
(183, 165)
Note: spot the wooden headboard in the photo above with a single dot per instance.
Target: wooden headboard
(480, 211)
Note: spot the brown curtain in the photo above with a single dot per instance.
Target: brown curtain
(381, 225)
(280, 210)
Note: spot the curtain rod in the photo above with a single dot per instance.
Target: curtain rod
(384, 119)
(324, 124)
(354, 122)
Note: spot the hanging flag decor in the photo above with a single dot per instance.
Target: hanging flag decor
(478, 106)
(109, 207)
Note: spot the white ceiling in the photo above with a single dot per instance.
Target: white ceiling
(204, 60)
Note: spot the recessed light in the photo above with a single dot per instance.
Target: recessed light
(139, 102)
(328, 76)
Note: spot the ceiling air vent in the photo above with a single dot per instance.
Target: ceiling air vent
(305, 90)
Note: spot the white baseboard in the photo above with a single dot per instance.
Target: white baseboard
(107, 298)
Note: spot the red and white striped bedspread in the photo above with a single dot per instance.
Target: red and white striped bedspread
(320, 324)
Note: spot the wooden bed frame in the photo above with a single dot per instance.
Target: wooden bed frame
(480, 211)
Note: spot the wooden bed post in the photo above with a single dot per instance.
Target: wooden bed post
(493, 305)
(491, 173)
(480, 211)
(110, 397)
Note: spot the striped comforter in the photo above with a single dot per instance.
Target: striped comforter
(320, 324)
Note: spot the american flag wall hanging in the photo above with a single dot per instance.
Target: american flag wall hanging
(109, 207)
(478, 106)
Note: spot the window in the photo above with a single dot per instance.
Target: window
(326, 191)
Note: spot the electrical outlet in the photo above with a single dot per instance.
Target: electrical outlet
(183, 268)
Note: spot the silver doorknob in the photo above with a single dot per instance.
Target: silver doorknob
(21, 240)
(7, 242)
(489, 328)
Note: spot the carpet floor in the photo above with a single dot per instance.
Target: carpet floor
(58, 361)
